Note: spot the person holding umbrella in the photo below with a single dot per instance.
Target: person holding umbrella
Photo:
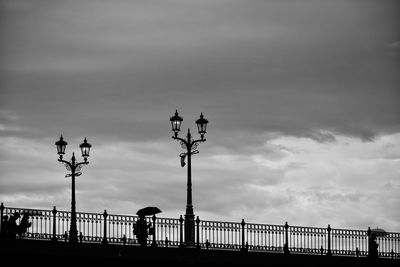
(141, 230)
(141, 226)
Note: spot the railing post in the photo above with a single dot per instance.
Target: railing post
(2, 228)
(198, 232)
(154, 243)
(181, 232)
(243, 239)
(286, 246)
(329, 253)
(54, 238)
(104, 242)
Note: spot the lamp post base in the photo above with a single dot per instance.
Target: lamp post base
(73, 236)
(189, 230)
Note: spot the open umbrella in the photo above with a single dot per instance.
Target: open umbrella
(379, 232)
(148, 211)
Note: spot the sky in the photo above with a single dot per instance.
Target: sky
(302, 98)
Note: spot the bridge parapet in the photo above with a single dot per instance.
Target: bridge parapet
(53, 225)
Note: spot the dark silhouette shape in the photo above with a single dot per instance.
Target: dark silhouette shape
(80, 237)
(373, 246)
(286, 249)
(140, 230)
(3, 230)
(190, 145)
(12, 225)
(207, 244)
(148, 211)
(24, 225)
(74, 166)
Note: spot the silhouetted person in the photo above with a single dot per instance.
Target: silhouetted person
(207, 244)
(12, 225)
(373, 247)
(357, 252)
(141, 231)
(80, 237)
(23, 225)
(3, 230)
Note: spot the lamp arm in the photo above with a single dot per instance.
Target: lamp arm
(182, 140)
(66, 162)
(82, 163)
(73, 168)
(198, 141)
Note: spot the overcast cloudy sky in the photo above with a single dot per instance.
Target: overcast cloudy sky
(302, 97)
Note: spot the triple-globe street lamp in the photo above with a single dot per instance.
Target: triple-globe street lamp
(74, 167)
(190, 145)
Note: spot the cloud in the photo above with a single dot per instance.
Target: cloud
(302, 100)
(291, 72)
(16, 4)
(394, 45)
(299, 180)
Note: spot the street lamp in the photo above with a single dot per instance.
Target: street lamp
(74, 167)
(191, 148)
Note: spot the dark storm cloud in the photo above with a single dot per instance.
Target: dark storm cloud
(297, 68)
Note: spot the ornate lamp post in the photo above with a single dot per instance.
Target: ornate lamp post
(74, 167)
(191, 148)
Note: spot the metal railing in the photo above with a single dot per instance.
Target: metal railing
(118, 229)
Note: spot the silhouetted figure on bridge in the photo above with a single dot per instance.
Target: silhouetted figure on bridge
(373, 247)
(141, 230)
(23, 225)
(3, 230)
(12, 225)
(208, 244)
(80, 237)
(123, 239)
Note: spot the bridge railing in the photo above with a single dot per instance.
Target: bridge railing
(118, 229)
